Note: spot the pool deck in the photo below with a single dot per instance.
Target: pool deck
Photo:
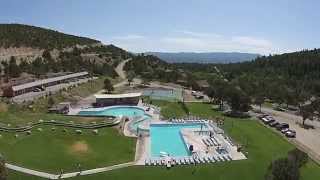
(194, 137)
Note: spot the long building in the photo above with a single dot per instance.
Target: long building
(117, 99)
(20, 89)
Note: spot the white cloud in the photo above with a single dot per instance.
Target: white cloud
(184, 41)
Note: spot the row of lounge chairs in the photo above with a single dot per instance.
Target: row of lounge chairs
(212, 141)
(190, 120)
(156, 108)
(186, 160)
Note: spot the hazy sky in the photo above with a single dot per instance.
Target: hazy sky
(268, 26)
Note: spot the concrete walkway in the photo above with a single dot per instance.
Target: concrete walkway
(67, 175)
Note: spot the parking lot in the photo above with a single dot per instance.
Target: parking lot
(308, 139)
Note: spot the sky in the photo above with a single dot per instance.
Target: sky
(255, 26)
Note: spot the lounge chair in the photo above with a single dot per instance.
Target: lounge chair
(173, 162)
(208, 159)
(154, 162)
(205, 142)
(216, 158)
(178, 161)
(196, 160)
(163, 161)
(221, 158)
(183, 161)
(212, 159)
(202, 159)
(210, 142)
(186, 159)
(191, 160)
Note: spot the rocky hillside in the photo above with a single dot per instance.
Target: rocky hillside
(26, 42)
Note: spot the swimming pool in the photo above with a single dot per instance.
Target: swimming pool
(113, 111)
(135, 125)
(167, 138)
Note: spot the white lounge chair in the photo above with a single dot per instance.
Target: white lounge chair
(216, 158)
(183, 161)
(154, 162)
(178, 161)
(212, 159)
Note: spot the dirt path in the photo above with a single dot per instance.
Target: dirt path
(119, 69)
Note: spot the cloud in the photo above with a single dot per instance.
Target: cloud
(184, 41)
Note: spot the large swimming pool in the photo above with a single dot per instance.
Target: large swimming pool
(167, 138)
(113, 111)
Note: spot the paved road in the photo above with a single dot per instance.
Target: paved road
(307, 139)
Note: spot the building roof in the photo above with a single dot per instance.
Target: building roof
(49, 80)
(116, 96)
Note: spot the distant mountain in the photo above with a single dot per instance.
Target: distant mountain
(210, 57)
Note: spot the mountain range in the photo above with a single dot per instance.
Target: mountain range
(206, 57)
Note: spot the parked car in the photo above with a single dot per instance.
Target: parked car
(291, 133)
(274, 124)
(282, 126)
(262, 116)
(265, 120)
(271, 121)
(285, 130)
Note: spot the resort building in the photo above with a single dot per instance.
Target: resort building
(117, 99)
(41, 85)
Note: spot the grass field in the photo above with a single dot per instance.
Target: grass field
(262, 145)
(52, 151)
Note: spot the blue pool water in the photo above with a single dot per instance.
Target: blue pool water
(167, 138)
(115, 111)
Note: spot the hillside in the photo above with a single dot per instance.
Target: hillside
(38, 51)
(19, 35)
(210, 57)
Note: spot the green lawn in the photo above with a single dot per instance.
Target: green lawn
(54, 150)
(170, 109)
(263, 146)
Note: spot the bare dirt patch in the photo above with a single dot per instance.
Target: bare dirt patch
(79, 147)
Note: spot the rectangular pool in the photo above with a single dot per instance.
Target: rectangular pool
(167, 138)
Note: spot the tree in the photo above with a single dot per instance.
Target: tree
(130, 77)
(210, 92)
(282, 169)
(259, 100)
(298, 157)
(12, 69)
(238, 100)
(108, 86)
(307, 112)
(220, 88)
(3, 170)
(51, 101)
